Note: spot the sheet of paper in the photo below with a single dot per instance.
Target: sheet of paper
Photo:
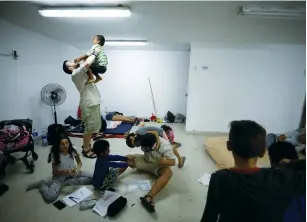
(205, 179)
(142, 185)
(104, 202)
(77, 196)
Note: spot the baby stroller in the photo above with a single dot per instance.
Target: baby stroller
(17, 138)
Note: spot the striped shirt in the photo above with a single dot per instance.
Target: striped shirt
(101, 58)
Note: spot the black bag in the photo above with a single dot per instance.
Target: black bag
(170, 117)
(72, 121)
(117, 206)
(54, 130)
(103, 125)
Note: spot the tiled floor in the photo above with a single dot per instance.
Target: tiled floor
(182, 200)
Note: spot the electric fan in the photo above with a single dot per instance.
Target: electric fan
(53, 95)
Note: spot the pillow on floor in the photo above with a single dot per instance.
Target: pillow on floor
(216, 147)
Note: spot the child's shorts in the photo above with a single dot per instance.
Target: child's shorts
(110, 115)
(110, 178)
(97, 69)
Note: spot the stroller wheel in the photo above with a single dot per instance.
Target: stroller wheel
(34, 156)
(11, 160)
(31, 167)
(2, 172)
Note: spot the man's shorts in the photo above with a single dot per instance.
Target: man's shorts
(92, 119)
(143, 165)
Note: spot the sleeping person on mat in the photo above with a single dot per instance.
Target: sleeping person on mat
(134, 140)
(116, 116)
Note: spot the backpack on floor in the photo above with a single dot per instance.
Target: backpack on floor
(170, 117)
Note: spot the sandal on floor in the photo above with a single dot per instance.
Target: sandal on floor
(91, 156)
(149, 205)
(178, 145)
(183, 160)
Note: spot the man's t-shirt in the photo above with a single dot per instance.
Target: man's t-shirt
(89, 94)
(146, 129)
(262, 195)
(164, 151)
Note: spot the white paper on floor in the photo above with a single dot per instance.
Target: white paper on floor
(104, 202)
(205, 179)
(77, 196)
(141, 185)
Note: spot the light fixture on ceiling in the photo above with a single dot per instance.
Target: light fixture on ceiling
(298, 13)
(86, 12)
(125, 43)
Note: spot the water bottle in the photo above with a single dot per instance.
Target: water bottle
(35, 136)
(44, 139)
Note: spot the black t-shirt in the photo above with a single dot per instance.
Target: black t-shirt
(261, 195)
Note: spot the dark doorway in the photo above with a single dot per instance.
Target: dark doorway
(303, 117)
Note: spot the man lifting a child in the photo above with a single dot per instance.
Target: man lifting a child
(90, 100)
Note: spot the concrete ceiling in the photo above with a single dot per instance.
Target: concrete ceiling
(167, 25)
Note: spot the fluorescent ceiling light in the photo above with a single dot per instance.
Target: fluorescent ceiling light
(125, 43)
(299, 13)
(86, 12)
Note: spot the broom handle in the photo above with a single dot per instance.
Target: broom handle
(152, 97)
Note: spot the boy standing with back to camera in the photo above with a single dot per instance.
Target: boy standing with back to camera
(246, 192)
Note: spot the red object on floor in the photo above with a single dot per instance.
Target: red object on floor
(79, 113)
(153, 118)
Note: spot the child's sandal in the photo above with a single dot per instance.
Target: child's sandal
(149, 205)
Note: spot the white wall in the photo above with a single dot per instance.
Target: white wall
(125, 88)
(265, 83)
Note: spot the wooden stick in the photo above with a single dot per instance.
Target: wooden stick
(152, 97)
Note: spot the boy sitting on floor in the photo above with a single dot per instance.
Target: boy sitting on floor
(245, 192)
(283, 156)
(108, 167)
(295, 137)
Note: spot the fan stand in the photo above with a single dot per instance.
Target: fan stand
(53, 97)
(55, 116)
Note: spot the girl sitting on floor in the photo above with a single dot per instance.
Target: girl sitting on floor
(65, 172)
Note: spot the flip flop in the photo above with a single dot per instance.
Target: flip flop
(149, 205)
(183, 160)
(85, 154)
(178, 145)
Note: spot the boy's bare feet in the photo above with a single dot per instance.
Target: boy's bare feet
(90, 81)
(98, 79)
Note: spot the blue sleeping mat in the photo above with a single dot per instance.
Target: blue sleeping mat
(120, 129)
